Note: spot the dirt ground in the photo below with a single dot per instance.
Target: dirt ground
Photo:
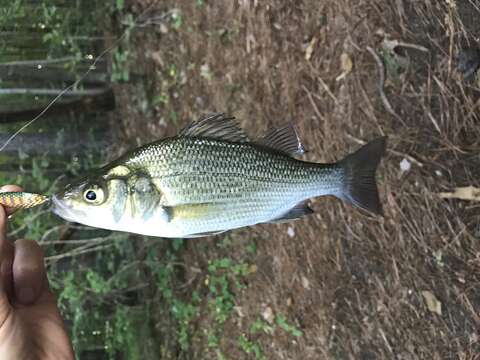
(356, 285)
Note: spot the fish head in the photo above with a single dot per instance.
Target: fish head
(97, 201)
(117, 200)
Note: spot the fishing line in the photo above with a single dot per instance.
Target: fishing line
(136, 23)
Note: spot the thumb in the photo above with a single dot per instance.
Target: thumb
(28, 271)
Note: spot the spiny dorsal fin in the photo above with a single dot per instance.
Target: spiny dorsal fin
(299, 210)
(215, 126)
(284, 139)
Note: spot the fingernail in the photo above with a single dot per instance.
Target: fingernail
(26, 295)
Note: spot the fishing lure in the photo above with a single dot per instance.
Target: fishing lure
(22, 200)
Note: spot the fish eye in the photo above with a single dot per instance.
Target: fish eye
(90, 195)
(94, 195)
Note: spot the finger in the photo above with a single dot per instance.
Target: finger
(13, 188)
(6, 260)
(28, 271)
(6, 247)
(8, 188)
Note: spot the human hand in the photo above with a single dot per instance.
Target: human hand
(30, 323)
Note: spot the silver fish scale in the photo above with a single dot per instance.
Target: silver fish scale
(194, 170)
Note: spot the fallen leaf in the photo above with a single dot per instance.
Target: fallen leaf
(309, 50)
(267, 315)
(462, 193)
(205, 72)
(305, 283)
(239, 311)
(433, 304)
(346, 64)
(451, 3)
(389, 47)
(405, 165)
(157, 58)
(163, 28)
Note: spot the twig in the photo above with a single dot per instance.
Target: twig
(381, 83)
(396, 43)
(72, 242)
(125, 268)
(153, 20)
(327, 89)
(27, 223)
(38, 62)
(310, 98)
(78, 251)
(47, 233)
(79, 92)
(92, 245)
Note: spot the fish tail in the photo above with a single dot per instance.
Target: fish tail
(359, 185)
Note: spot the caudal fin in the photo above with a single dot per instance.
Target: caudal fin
(359, 186)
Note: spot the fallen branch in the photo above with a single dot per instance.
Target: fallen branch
(463, 193)
(381, 84)
(53, 92)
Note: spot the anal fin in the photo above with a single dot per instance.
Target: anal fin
(210, 233)
(299, 210)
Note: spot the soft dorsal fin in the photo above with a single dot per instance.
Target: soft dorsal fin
(284, 139)
(215, 126)
(299, 210)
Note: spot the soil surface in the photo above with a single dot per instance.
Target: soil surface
(357, 286)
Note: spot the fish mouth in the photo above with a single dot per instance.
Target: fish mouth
(60, 208)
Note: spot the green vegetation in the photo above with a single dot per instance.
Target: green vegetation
(251, 347)
(58, 30)
(261, 326)
(120, 70)
(291, 329)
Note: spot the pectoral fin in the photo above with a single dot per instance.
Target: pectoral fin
(144, 196)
